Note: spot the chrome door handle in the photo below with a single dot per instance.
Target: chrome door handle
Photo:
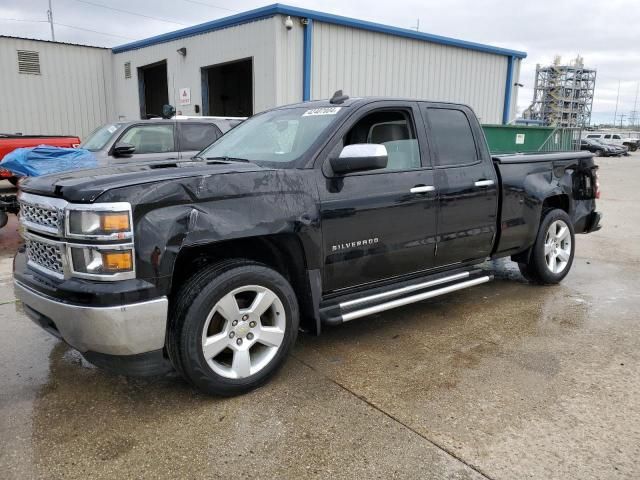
(483, 183)
(423, 189)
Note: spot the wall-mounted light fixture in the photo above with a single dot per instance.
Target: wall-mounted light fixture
(288, 23)
(182, 51)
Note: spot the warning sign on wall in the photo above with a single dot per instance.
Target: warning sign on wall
(185, 96)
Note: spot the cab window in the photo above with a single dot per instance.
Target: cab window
(196, 136)
(393, 129)
(150, 138)
(453, 137)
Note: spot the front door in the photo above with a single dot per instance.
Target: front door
(381, 223)
(467, 185)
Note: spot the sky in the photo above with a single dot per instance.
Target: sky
(605, 34)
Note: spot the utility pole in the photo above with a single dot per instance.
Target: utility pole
(615, 115)
(622, 115)
(418, 25)
(633, 116)
(50, 18)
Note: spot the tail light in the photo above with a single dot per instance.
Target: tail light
(596, 183)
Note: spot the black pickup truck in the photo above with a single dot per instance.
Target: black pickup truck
(303, 217)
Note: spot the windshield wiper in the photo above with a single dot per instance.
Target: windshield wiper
(229, 159)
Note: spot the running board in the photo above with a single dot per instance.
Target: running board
(361, 307)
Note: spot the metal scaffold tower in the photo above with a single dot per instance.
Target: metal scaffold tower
(563, 94)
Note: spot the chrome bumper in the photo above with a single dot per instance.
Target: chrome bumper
(121, 330)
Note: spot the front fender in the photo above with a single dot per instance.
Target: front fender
(204, 210)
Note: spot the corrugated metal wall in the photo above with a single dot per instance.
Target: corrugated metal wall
(258, 40)
(71, 96)
(366, 63)
(515, 90)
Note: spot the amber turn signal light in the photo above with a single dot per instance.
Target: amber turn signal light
(114, 222)
(117, 261)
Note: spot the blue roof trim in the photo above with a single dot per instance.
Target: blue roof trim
(280, 9)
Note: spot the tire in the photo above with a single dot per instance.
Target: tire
(220, 306)
(552, 253)
(599, 153)
(13, 180)
(4, 218)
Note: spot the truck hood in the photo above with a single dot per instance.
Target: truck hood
(85, 186)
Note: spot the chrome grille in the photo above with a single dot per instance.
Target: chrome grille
(41, 216)
(45, 255)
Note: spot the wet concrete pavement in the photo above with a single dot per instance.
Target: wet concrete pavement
(505, 380)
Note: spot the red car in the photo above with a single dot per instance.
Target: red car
(9, 142)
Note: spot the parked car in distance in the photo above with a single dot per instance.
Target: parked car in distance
(304, 216)
(157, 139)
(601, 149)
(619, 139)
(9, 142)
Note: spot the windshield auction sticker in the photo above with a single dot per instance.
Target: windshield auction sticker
(321, 111)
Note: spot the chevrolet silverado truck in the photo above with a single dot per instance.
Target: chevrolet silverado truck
(301, 218)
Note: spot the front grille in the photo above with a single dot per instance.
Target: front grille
(45, 255)
(44, 217)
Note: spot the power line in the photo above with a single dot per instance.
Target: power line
(65, 25)
(133, 13)
(23, 20)
(211, 6)
(93, 31)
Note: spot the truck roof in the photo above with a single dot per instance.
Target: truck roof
(355, 101)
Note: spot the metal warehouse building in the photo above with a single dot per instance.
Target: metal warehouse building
(246, 63)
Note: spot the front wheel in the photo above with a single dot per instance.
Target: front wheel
(552, 253)
(599, 153)
(232, 326)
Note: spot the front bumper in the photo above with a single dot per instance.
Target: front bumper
(125, 330)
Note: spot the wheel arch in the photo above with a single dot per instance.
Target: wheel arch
(282, 252)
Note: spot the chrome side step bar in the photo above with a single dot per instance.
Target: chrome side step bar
(400, 291)
(345, 312)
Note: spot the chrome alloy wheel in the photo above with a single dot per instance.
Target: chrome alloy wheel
(557, 246)
(243, 331)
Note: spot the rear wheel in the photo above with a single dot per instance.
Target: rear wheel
(552, 254)
(232, 327)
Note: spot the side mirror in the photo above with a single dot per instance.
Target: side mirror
(168, 111)
(361, 156)
(123, 149)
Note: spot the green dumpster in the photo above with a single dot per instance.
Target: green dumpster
(516, 138)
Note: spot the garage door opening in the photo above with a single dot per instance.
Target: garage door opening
(154, 89)
(228, 89)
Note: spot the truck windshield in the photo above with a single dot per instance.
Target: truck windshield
(100, 137)
(277, 138)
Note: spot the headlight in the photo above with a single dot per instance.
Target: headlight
(100, 221)
(102, 261)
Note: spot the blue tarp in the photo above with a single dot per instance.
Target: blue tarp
(43, 160)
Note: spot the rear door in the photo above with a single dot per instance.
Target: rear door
(379, 224)
(193, 137)
(467, 185)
